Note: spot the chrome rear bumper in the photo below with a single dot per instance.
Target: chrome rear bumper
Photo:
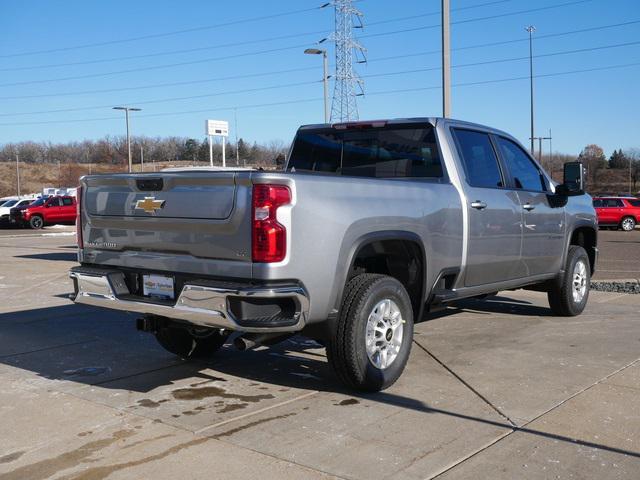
(201, 305)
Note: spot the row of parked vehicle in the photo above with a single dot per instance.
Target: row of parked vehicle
(39, 212)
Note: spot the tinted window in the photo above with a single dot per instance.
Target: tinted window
(612, 202)
(479, 159)
(525, 173)
(597, 203)
(634, 203)
(375, 152)
(10, 203)
(67, 201)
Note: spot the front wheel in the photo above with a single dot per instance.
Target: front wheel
(628, 224)
(36, 222)
(372, 337)
(190, 343)
(568, 296)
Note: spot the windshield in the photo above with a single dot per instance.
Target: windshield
(393, 151)
(38, 202)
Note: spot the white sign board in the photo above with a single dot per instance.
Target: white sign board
(217, 128)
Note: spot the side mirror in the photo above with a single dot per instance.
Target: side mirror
(573, 182)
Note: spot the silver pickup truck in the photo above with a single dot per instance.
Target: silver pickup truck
(370, 226)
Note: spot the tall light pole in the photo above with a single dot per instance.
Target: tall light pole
(18, 173)
(325, 77)
(126, 114)
(446, 60)
(531, 29)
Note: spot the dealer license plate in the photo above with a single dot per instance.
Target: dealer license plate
(157, 286)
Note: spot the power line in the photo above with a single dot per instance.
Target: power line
(164, 34)
(273, 50)
(384, 74)
(293, 70)
(233, 44)
(307, 100)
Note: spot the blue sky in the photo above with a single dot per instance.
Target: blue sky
(222, 65)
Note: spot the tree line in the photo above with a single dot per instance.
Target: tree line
(113, 150)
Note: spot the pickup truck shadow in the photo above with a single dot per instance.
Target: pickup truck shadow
(101, 347)
(53, 256)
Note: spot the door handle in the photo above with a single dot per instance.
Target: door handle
(528, 207)
(478, 205)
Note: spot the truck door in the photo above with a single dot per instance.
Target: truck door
(543, 224)
(53, 207)
(494, 212)
(68, 210)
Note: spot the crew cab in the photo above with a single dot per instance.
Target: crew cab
(45, 211)
(617, 212)
(370, 225)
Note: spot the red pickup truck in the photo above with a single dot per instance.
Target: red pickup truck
(46, 211)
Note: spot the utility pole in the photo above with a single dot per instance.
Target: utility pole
(540, 139)
(142, 157)
(235, 121)
(18, 173)
(446, 60)
(531, 29)
(126, 114)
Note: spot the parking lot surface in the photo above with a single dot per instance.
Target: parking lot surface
(493, 389)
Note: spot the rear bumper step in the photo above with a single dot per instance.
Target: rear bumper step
(199, 303)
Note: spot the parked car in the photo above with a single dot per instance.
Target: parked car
(370, 225)
(617, 212)
(6, 207)
(45, 211)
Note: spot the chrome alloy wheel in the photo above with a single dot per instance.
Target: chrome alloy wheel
(385, 328)
(579, 281)
(628, 224)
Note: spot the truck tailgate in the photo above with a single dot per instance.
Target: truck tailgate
(203, 214)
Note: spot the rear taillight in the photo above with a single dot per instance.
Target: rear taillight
(79, 217)
(269, 239)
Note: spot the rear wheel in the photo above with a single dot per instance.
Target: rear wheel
(372, 339)
(36, 222)
(190, 342)
(568, 296)
(628, 224)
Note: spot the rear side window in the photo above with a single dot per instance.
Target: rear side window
(388, 152)
(479, 158)
(612, 202)
(526, 175)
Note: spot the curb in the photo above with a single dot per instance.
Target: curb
(624, 285)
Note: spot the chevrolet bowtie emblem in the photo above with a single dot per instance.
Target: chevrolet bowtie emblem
(149, 204)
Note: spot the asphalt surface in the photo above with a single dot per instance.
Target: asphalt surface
(494, 389)
(619, 255)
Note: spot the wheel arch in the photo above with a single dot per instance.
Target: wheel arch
(392, 246)
(587, 238)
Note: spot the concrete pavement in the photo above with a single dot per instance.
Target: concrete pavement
(493, 389)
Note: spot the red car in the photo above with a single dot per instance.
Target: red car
(618, 212)
(45, 211)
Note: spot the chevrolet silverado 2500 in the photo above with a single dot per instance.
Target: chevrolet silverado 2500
(370, 225)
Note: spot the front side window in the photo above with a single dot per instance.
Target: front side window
(525, 173)
(634, 202)
(387, 152)
(67, 201)
(479, 158)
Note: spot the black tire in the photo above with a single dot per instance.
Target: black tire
(628, 224)
(36, 222)
(190, 342)
(347, 351)
(561, 294)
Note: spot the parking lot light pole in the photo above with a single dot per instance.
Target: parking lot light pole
(126, 114)
(18, 173)
(325, 77)
(531, 29)
(446, 60)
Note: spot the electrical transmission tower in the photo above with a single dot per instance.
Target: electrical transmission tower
(348, 84)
